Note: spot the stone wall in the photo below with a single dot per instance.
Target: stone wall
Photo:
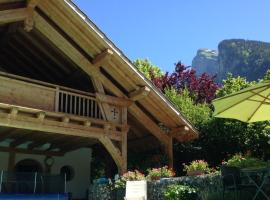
(155, 189)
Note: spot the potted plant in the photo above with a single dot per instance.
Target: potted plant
(120, 183)
(162, 172)
(196, 167)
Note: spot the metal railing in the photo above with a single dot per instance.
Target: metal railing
(31, 183)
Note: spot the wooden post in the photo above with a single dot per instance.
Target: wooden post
(11, 161)
(56, 102)
(124, 150)
(169, 152)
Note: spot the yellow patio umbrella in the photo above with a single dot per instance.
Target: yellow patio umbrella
(248, 105)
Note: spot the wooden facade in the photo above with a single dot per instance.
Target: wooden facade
(63, 82)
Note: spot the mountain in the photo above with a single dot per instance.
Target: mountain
(206, 60)
(245, 58)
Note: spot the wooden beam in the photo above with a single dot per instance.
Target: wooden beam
(52, 127)
(8, 134)
(22, 139)
(105, 108)
(169, 152)
(124, 149)
(175, 132)
(43, 139)
(114, 152)
(29, 20)
(149, 124)
(26, 151)
(139, 94)
(67, 48)
(11, 160)
(117, 101)
(13, 15)
(32, 3)
(102, 58)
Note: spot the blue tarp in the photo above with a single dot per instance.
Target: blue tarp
(33, 196)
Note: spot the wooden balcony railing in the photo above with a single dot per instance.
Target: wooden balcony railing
(77, 104)
(21, 91)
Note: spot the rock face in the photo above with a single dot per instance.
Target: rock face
(246, 58)
(206, 60)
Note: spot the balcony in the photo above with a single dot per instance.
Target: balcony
(40, 106)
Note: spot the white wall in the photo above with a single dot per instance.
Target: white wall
(80, 161)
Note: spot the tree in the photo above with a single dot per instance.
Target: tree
(202, 89)
(197, 114)
(146, 67)
(233, 84)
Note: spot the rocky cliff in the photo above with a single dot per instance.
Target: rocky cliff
(246, 58)
(206, 60)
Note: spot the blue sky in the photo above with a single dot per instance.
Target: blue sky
(169, 31)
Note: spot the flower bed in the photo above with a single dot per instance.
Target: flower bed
(155, 189)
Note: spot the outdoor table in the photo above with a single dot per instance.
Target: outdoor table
(263, 177)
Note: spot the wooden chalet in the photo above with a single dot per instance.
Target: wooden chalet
(64, 87)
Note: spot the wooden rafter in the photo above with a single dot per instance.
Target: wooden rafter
(139, 94)
(99, 80)
(26, 151)
(179, 131)
(117, 101)
(22, 139)
(55, 37)
(13, 15)
(102, 58)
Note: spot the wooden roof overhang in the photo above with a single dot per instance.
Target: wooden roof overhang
(83, 45)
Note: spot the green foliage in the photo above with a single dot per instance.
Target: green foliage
(196, 165)
(245, 162)
(196, 113)
(267, 75)
(180, 192)
(160, 172)
(233, 84)
(145, 66)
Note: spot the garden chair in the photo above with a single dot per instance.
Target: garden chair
(232, 181)
(136, 190)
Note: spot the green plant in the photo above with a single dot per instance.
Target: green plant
(238, 160)
(197, 165)
(129, 176)
(160, 172)
(180, 192)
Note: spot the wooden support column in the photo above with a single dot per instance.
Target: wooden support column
(11, 161)
(124, 149)
(169, 152)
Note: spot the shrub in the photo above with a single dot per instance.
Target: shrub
(241, 161)
(180, 192)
